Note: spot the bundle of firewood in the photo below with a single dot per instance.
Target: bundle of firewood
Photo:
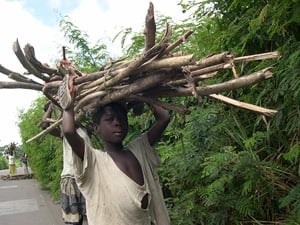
(157, 73)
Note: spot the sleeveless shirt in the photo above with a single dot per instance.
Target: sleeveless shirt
(114, 198)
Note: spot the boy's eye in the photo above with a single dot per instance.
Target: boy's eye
(109, 118)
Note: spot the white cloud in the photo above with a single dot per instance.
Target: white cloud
(103, 19)
(16, 23)
(98, 18)
(54, 3)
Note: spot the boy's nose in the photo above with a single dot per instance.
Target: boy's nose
(117, 122)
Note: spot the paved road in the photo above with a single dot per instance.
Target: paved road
(23, 202)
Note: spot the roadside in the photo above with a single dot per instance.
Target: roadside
(23, 202)
(4, 174)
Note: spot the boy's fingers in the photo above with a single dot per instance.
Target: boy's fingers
(72, 86)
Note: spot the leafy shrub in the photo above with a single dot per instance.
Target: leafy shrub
(3, 163)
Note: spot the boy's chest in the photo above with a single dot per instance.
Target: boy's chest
(129, 165)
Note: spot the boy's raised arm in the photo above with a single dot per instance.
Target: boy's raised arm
(69, 126)
(162, 120)
(48, 108)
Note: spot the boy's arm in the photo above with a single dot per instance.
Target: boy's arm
(162, 120)
(44, 123)
(69, 128)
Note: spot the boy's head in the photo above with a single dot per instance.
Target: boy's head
(111, 122)
(117, 107)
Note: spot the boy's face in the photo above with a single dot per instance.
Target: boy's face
(113, 125)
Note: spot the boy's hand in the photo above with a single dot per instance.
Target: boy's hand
(162, 120)
(66, 67)
(66, 92)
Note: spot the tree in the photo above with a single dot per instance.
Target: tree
(253, 175)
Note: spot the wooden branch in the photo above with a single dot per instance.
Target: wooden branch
(46, 131)
(90, 77)
(168, 63)
(19, 77)
(26, 64)
(181, 110)
(179, 41)
(150, 28)
(182, 82)
(21, 85)
(167, 35)
(210, 69)
(132, 67)
(236, 83)
(5, 70)
(108, 80)
(212, 60)
(191, 84)
(164, 43)
(53, 85)
(240, 82)
(262, 56)
(49, 120)
(136, 87)
(254, 108)
(30, 56)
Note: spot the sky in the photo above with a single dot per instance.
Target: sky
(37, 23)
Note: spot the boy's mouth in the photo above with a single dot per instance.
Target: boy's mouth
(119, 133)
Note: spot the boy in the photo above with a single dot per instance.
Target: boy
(120, 184)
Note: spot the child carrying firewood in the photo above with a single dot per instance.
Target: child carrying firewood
(119, 182)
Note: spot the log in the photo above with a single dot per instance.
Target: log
(262, 56)
(21, 85)
(136, 87)
(30, 56)
(241, 82)
(5, 70)
(19, 77)
(150, 28)
(251, 107)
(179, 41)
(26, 64)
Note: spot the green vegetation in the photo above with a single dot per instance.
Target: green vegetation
(45, 154)
(221, 165)
(3, 163)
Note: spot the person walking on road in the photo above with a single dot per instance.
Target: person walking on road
(72, 201)
(11, 158)
(25, 163)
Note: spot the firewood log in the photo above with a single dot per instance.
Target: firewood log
(158, 73)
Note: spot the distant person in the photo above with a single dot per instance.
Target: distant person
(25, 163)
(72, 201)
(11, 151)
(11, 163)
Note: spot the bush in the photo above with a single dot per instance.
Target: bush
(3, 163)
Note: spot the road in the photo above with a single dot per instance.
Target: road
(23, 202)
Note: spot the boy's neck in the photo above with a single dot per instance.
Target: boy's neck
(114, 147)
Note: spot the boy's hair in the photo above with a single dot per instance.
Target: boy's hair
(116, 106)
